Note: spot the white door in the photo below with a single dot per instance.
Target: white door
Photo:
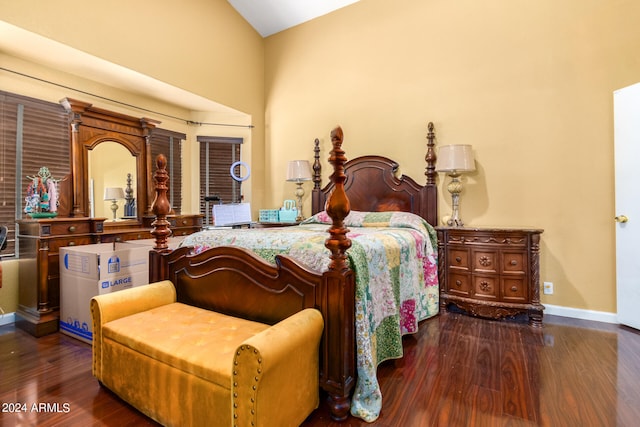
(626, 106)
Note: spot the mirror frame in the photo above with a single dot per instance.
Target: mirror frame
(90, 126)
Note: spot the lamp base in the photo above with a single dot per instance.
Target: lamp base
(457, 222)
(114, 209)
(455, 188)
(299, 194)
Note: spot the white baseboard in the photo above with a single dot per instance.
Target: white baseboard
(7, 318)
(578, 313)
(555, 310)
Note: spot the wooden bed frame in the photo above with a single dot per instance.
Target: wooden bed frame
(372, 185)
(234, 281)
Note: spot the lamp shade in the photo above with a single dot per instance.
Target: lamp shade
(299, 170)
(457, 158)
(113, 193)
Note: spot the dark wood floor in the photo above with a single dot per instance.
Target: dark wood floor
(457, 371)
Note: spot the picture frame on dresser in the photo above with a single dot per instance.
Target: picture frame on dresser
(491, 272)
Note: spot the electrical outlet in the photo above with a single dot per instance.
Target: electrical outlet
(548, 288)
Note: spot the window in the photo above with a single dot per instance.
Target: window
(217, 155)
(169, 143)
(35, 133)
(31, 131)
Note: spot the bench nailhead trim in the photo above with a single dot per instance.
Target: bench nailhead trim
(254, 387)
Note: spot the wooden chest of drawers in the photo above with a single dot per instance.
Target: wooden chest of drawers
(111, 235)
(490, 272)
(183, 225)
(39, 242)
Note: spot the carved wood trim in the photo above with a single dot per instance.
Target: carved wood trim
(488, 240)
(90, 126)
(161, 207)
(372, 184)
(430, 158)
(338, 206)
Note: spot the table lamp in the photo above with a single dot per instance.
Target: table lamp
(298, 172)
(455, 160)
(114, 194)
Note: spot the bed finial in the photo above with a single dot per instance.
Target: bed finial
(431, 155)
(161, 207)
(316, 165)
(338, 206)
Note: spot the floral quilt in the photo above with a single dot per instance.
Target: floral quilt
(394, 257)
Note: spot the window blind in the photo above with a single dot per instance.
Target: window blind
(34, 133)
(217, 155)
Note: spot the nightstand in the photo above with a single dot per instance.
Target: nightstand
(490, 272)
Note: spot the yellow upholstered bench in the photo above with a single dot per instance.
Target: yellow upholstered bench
(187, 366)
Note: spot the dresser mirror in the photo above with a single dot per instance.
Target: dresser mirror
(109, 165)
(105, 147)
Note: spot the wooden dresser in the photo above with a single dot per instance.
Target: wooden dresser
(183, 225)
(39, 241)
(491, 272)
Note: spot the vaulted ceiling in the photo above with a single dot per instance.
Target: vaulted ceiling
(272, 16)
(266, 16)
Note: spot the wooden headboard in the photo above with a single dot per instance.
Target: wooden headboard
(372, 185)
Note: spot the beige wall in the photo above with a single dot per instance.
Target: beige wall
(528, 83)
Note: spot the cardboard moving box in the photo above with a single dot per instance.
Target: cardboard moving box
(90, 270)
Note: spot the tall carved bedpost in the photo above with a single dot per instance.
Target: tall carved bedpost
(130, 202)
(430, 195)
(338, 206)
(430, 157)
(317, 179)
(338, 373)
(161, 231)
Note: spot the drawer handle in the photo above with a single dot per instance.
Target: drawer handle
(513, 262)
(458, 283)
(514, 288)
(139, 236)
(118, 239)
(485, 286)
(185, 222)
(72, 243)
(72, 229)
(458, 259)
